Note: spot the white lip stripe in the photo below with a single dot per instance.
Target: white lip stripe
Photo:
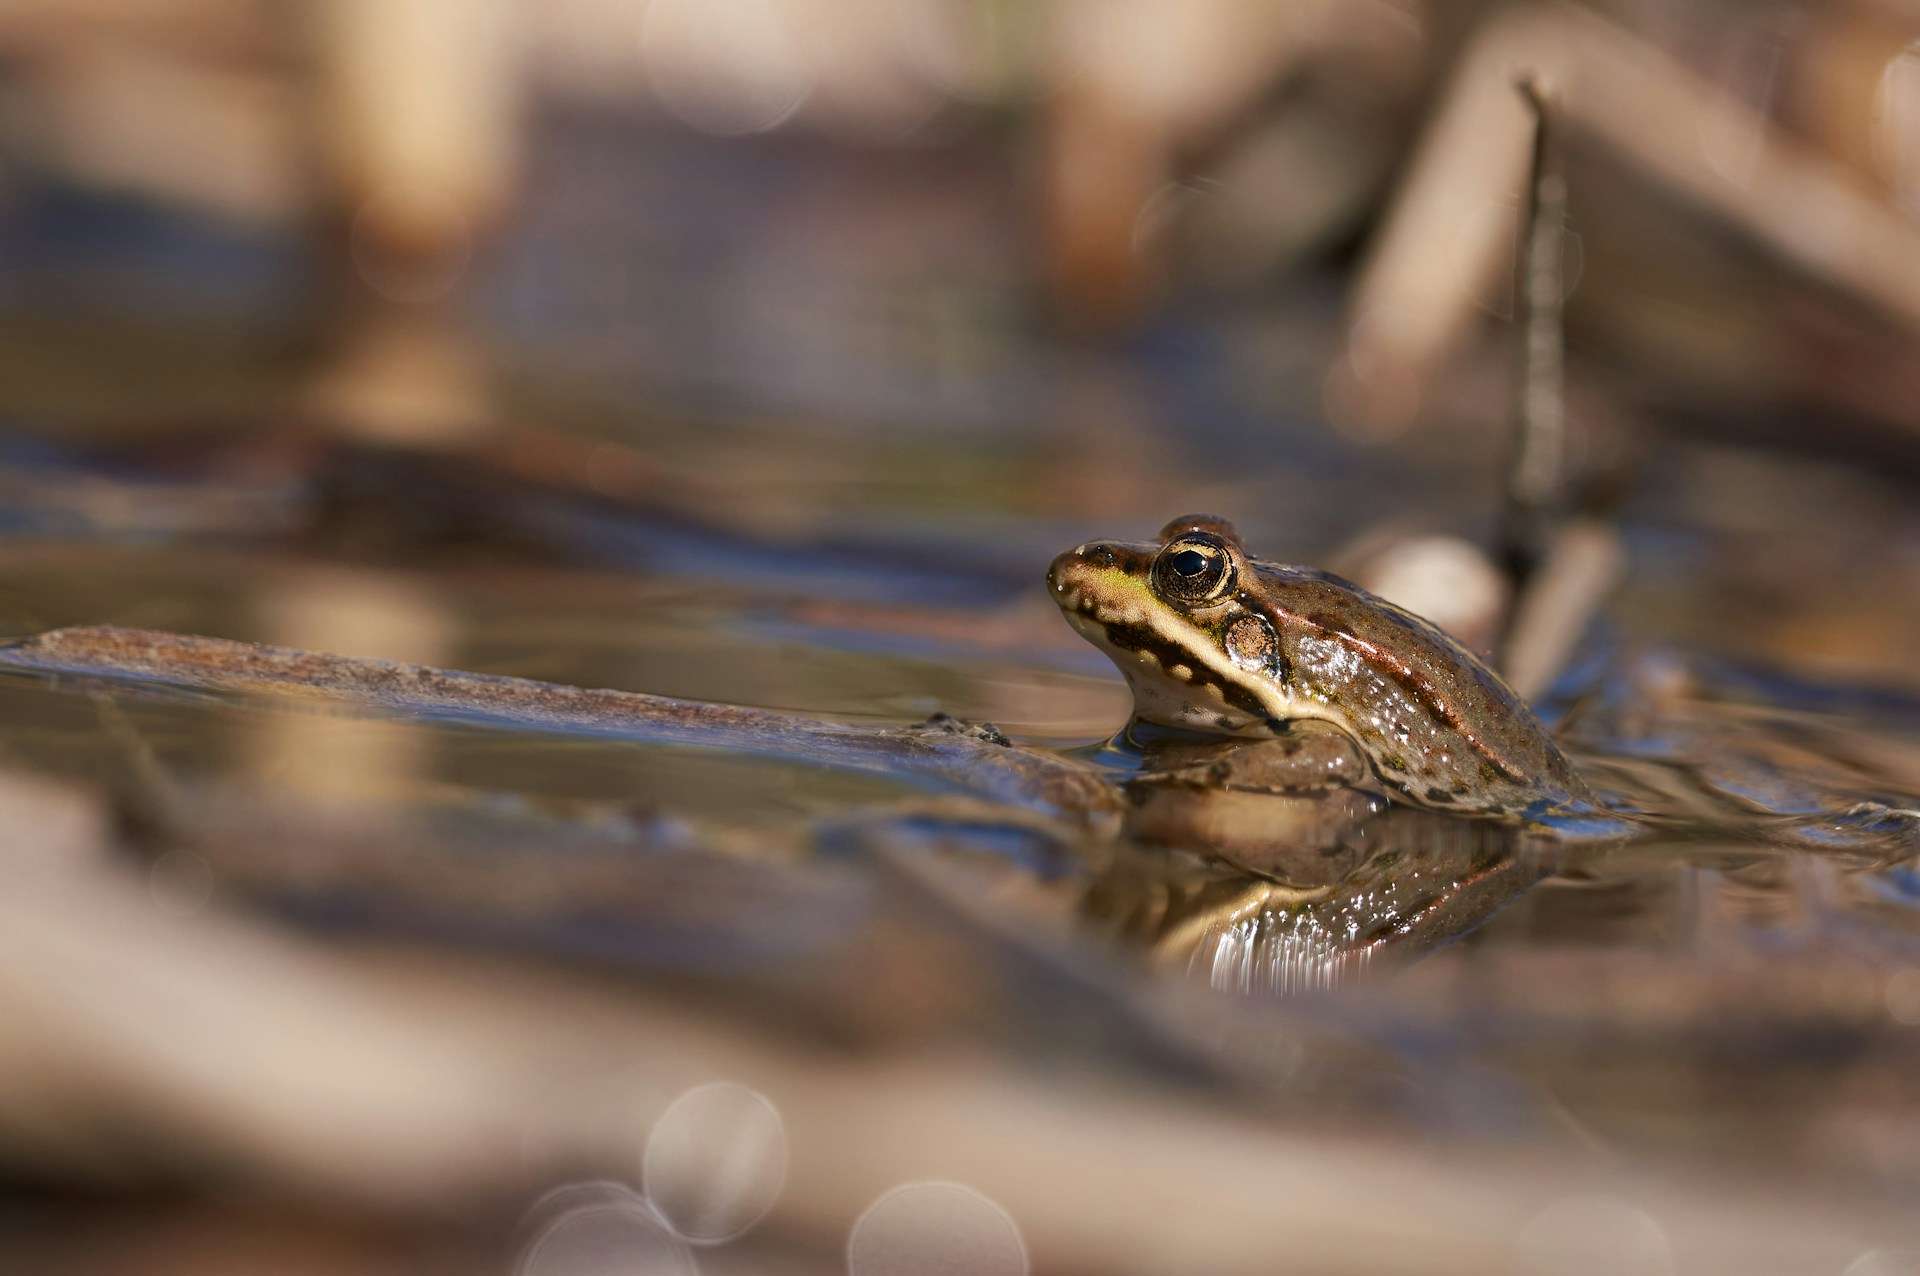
(1196, 645)
(1152, 689)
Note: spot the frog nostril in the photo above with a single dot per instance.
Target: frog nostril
(1101, 556)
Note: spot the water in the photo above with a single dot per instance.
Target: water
(1772, 817)
(1724, 987)
(1718, 978)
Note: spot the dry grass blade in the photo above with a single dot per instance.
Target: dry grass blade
(1414, 306)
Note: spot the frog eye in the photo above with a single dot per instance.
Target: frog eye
(1193, 569)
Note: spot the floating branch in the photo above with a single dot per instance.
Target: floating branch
(975, 759)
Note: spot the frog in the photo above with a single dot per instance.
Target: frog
(1217, 643)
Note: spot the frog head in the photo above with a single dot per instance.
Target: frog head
(1175, 617)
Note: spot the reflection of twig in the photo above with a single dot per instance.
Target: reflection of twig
(151, 783)
(977, 759)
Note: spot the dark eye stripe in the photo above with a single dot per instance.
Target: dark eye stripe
(1135, 637)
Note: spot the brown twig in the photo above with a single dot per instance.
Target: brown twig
(1562, 567)
(975, 759)
(1580, 565)
(1536, 477)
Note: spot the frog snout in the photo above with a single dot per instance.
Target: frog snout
(1058, 570)
(1073, 569)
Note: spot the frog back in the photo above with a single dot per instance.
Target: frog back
(1435, 721)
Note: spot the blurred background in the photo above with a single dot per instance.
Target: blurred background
(764, 352)
(943, 260)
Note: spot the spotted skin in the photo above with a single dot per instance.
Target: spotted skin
(1437, 726)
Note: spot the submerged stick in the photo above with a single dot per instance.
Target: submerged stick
(976, 759)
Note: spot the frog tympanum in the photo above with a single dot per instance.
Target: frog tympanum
(1214, 641)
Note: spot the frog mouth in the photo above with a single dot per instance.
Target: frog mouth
(1171, 683)
(1090, 616)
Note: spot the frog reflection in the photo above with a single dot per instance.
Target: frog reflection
(1300, 914)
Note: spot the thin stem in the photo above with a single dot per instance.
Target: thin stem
(1536, 478)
